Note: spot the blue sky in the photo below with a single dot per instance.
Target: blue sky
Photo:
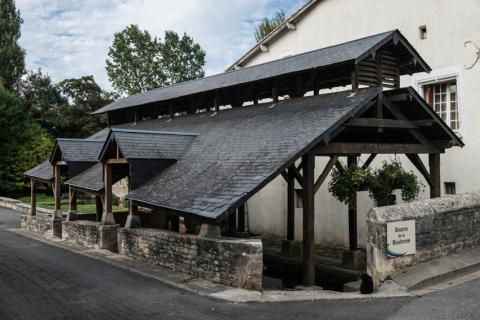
(71, 38)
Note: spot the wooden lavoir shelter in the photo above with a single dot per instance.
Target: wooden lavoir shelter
(188, 156)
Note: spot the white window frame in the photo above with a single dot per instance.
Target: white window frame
(444, 75)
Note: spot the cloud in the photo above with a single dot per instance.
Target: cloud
(71, 38)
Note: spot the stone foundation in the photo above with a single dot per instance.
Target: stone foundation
(91, 234)
(42, 224)
(443, 226)
(228, 261)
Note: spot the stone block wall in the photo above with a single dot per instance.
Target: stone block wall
(228, 261)
(443, 226)
(91, 234)
(42, 224)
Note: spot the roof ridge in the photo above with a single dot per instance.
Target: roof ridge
(153, 132)
(78, 139)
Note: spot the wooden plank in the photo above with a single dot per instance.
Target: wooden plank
(116, 161)
(434, 164)
(330, 164)
(384, 123)
(308, 161)
(345, 148)
(418, 163)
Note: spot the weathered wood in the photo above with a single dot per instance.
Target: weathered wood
(434, 164)
(241, 218)
(175, 223)
(285, 176)
(352, 213)
(57, 213)
(418, 163)
(369, 160)
(330, 164)
(98, 208)
(275, 91)
(345, 148)
(291, 204)
(308, 161)
(387, 123)
(116, 161)
(72, 204)
(297, 175)
(33, 197)
(107, 216)
(355, 78)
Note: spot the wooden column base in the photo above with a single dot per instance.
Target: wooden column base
(72, 215)
(107, 219)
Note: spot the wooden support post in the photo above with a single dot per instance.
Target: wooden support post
(291, 204)
(241, 218)
(57, 213)
(107, 216)
(232, 224)
(352, 213)
(72, 204)
(216, 103)
(133, 220)
(33, 197)
(355, 78)
(275, 92)
(308, 161)
(175, 223)
(98, 208)
(434, 163)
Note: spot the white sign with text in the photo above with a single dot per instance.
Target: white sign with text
(401, 238)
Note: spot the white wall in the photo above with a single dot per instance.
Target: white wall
(449, 25)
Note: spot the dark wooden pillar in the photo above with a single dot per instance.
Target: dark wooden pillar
(57, 213)
(72, 204)
(291, 204)
(355, 78)
(308, 163)
(232, 224)
(352, 213)
(107, 216)
(241, 218)
(98, 208)
(175, 223)
(33, 197)
(434, 163)
(275, 92)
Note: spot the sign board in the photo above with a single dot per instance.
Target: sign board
(401, 238)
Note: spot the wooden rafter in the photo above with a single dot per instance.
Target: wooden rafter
(330, 164)
(418, 163)
(369, 160)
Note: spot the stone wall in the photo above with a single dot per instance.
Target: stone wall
(228, 261)
(91, 234)
(19, 206)
(42, 224)
(443, 226)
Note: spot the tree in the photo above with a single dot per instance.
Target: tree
(23, 144)
(12, 64)
(267, 25)
(139, 62)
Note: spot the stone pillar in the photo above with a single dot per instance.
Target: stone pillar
(133, 220)
(308, 164)
(72, 204)
(434, 164)
(107, 216)
(33, 197)
(57, 213)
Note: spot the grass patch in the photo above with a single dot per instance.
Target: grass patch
(83, 205)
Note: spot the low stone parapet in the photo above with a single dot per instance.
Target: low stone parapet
(42, 224)
(228, 261)
(91, 234)
(19, 206)
(442, 226)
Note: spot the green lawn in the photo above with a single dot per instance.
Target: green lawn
(48, 202)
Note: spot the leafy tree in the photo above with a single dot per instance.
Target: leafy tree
(12, 64)
(139, 62)
(267, 25)
(23, 144)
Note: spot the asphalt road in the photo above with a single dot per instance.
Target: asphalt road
(38, 281)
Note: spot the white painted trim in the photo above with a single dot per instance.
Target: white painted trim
(440, 75)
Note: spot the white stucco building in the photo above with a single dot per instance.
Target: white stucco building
(439, 30)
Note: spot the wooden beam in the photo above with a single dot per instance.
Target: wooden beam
(116, 161)
(285, 176)
(386, 123)
(291, 204)
(241, 218)
(98, 208)
(275, 91)
(61, 163)
(57, 212)
(418, 163)
(330, 164)
(346, 148)
(297, 175)
(308, 161)
(352, 213)
(107, 216)
(354, 77)
(33, 197)
(434, 164)
(369, 161)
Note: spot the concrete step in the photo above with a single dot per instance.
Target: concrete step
(438, 270)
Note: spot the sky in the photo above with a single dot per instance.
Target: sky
(69, 39)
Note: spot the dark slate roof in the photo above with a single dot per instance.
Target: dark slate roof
(77, 150)
(238, 151)
(89, 179)
(352, 51)
(147, 144)
(44, 171)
